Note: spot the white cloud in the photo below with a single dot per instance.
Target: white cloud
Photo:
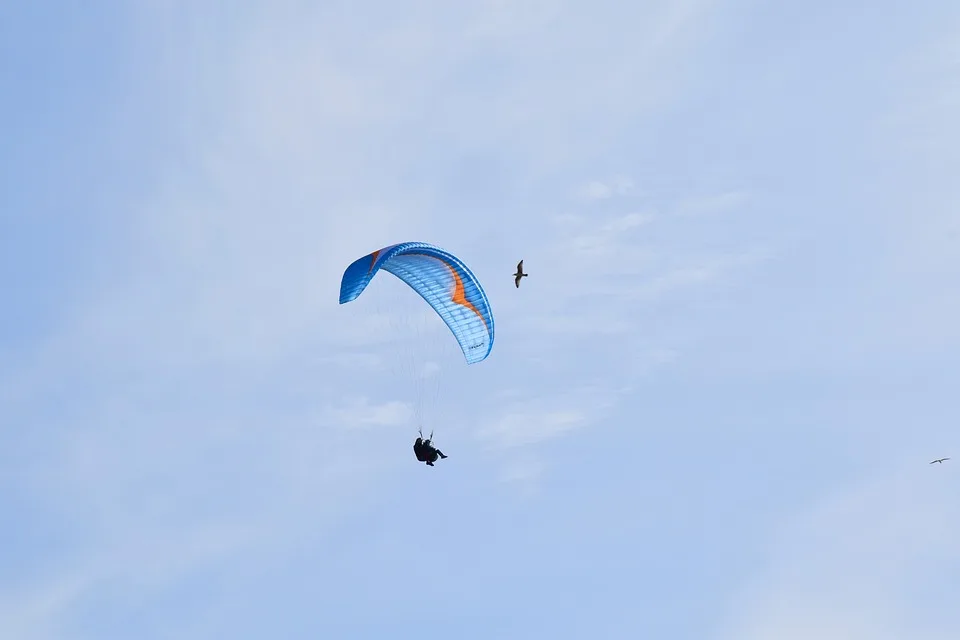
(627, 222)
(602, 190)
(355, 360)
(524, 475)
(524, 427)
(360, 412)
(662, 356)
(698, 272)
(605, 240)
(681, 277)
(534, 421)
(608, 276)
(713, 204)
(612, 263)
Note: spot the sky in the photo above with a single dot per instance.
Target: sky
(709, 410)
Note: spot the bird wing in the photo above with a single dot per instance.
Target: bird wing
(520, 267)
(516, 281)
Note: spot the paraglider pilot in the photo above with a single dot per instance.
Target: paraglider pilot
(425, 451)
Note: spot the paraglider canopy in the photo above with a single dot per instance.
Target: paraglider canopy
(441, 279)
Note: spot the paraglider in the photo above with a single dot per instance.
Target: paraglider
(425, 451)
(442, 280)
(451, 290)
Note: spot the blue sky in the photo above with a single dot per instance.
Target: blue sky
(708, 412)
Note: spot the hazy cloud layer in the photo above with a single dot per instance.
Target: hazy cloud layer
(708, 411)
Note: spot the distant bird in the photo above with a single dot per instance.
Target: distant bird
(940, 460)
(519, 274)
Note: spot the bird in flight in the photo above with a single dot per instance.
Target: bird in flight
(519, 274)
(940, 460)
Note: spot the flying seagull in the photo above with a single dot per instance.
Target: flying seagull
(519, 274)
(940, 460)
